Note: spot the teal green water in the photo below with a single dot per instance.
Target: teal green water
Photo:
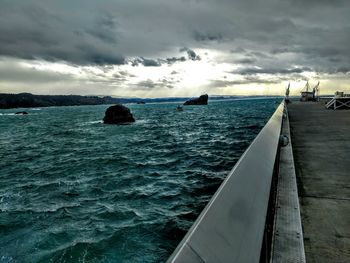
(75, 190)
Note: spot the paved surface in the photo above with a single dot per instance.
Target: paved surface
(321, 148)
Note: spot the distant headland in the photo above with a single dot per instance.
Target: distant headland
(28, 100)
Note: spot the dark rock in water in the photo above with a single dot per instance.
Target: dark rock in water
(118, 114)
(202, 100)
(141, 102)
(21, 113)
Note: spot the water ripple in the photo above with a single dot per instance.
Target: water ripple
(75, 190)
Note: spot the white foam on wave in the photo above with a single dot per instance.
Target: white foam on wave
(6, 258)
(142, 121)
(94, 122)
(88, 123)
(7, 201)
(7, 114)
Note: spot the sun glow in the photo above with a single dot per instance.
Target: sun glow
(179, 79)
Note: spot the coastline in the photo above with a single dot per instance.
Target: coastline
(28, 100)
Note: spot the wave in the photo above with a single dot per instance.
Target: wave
(72, 189)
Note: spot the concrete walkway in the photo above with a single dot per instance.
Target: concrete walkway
(321, 148)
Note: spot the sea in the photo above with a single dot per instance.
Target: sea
(73, 189)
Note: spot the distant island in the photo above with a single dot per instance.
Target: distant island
(28, 100)
(202, 100)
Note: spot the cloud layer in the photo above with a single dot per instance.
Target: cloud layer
(289, 38)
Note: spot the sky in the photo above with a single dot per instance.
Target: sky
(159, 48)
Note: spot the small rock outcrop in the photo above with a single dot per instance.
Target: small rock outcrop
(202, 100)
(21, 113)
(118, 114)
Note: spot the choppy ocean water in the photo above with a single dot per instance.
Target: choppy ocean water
(75, 190)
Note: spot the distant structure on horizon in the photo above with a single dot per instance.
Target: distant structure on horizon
(287, 92)
(307, 95)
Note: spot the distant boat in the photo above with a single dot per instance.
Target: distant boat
(307, 95)
(179, 108)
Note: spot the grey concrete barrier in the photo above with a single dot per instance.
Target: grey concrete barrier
(231, 226)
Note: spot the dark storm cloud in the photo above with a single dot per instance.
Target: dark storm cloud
(272, 71)
(313, 33)
(104, 29)
(344, 70)
(147, 62)
(150, 62)
(149, 84)
(281, 50)
(258, 54)
(229, 83)
(190, 53)
(100, 59)
(202, 36)
(332, 3)
(246, 61)
(31, 30)
(175, 59)
(156, 62)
